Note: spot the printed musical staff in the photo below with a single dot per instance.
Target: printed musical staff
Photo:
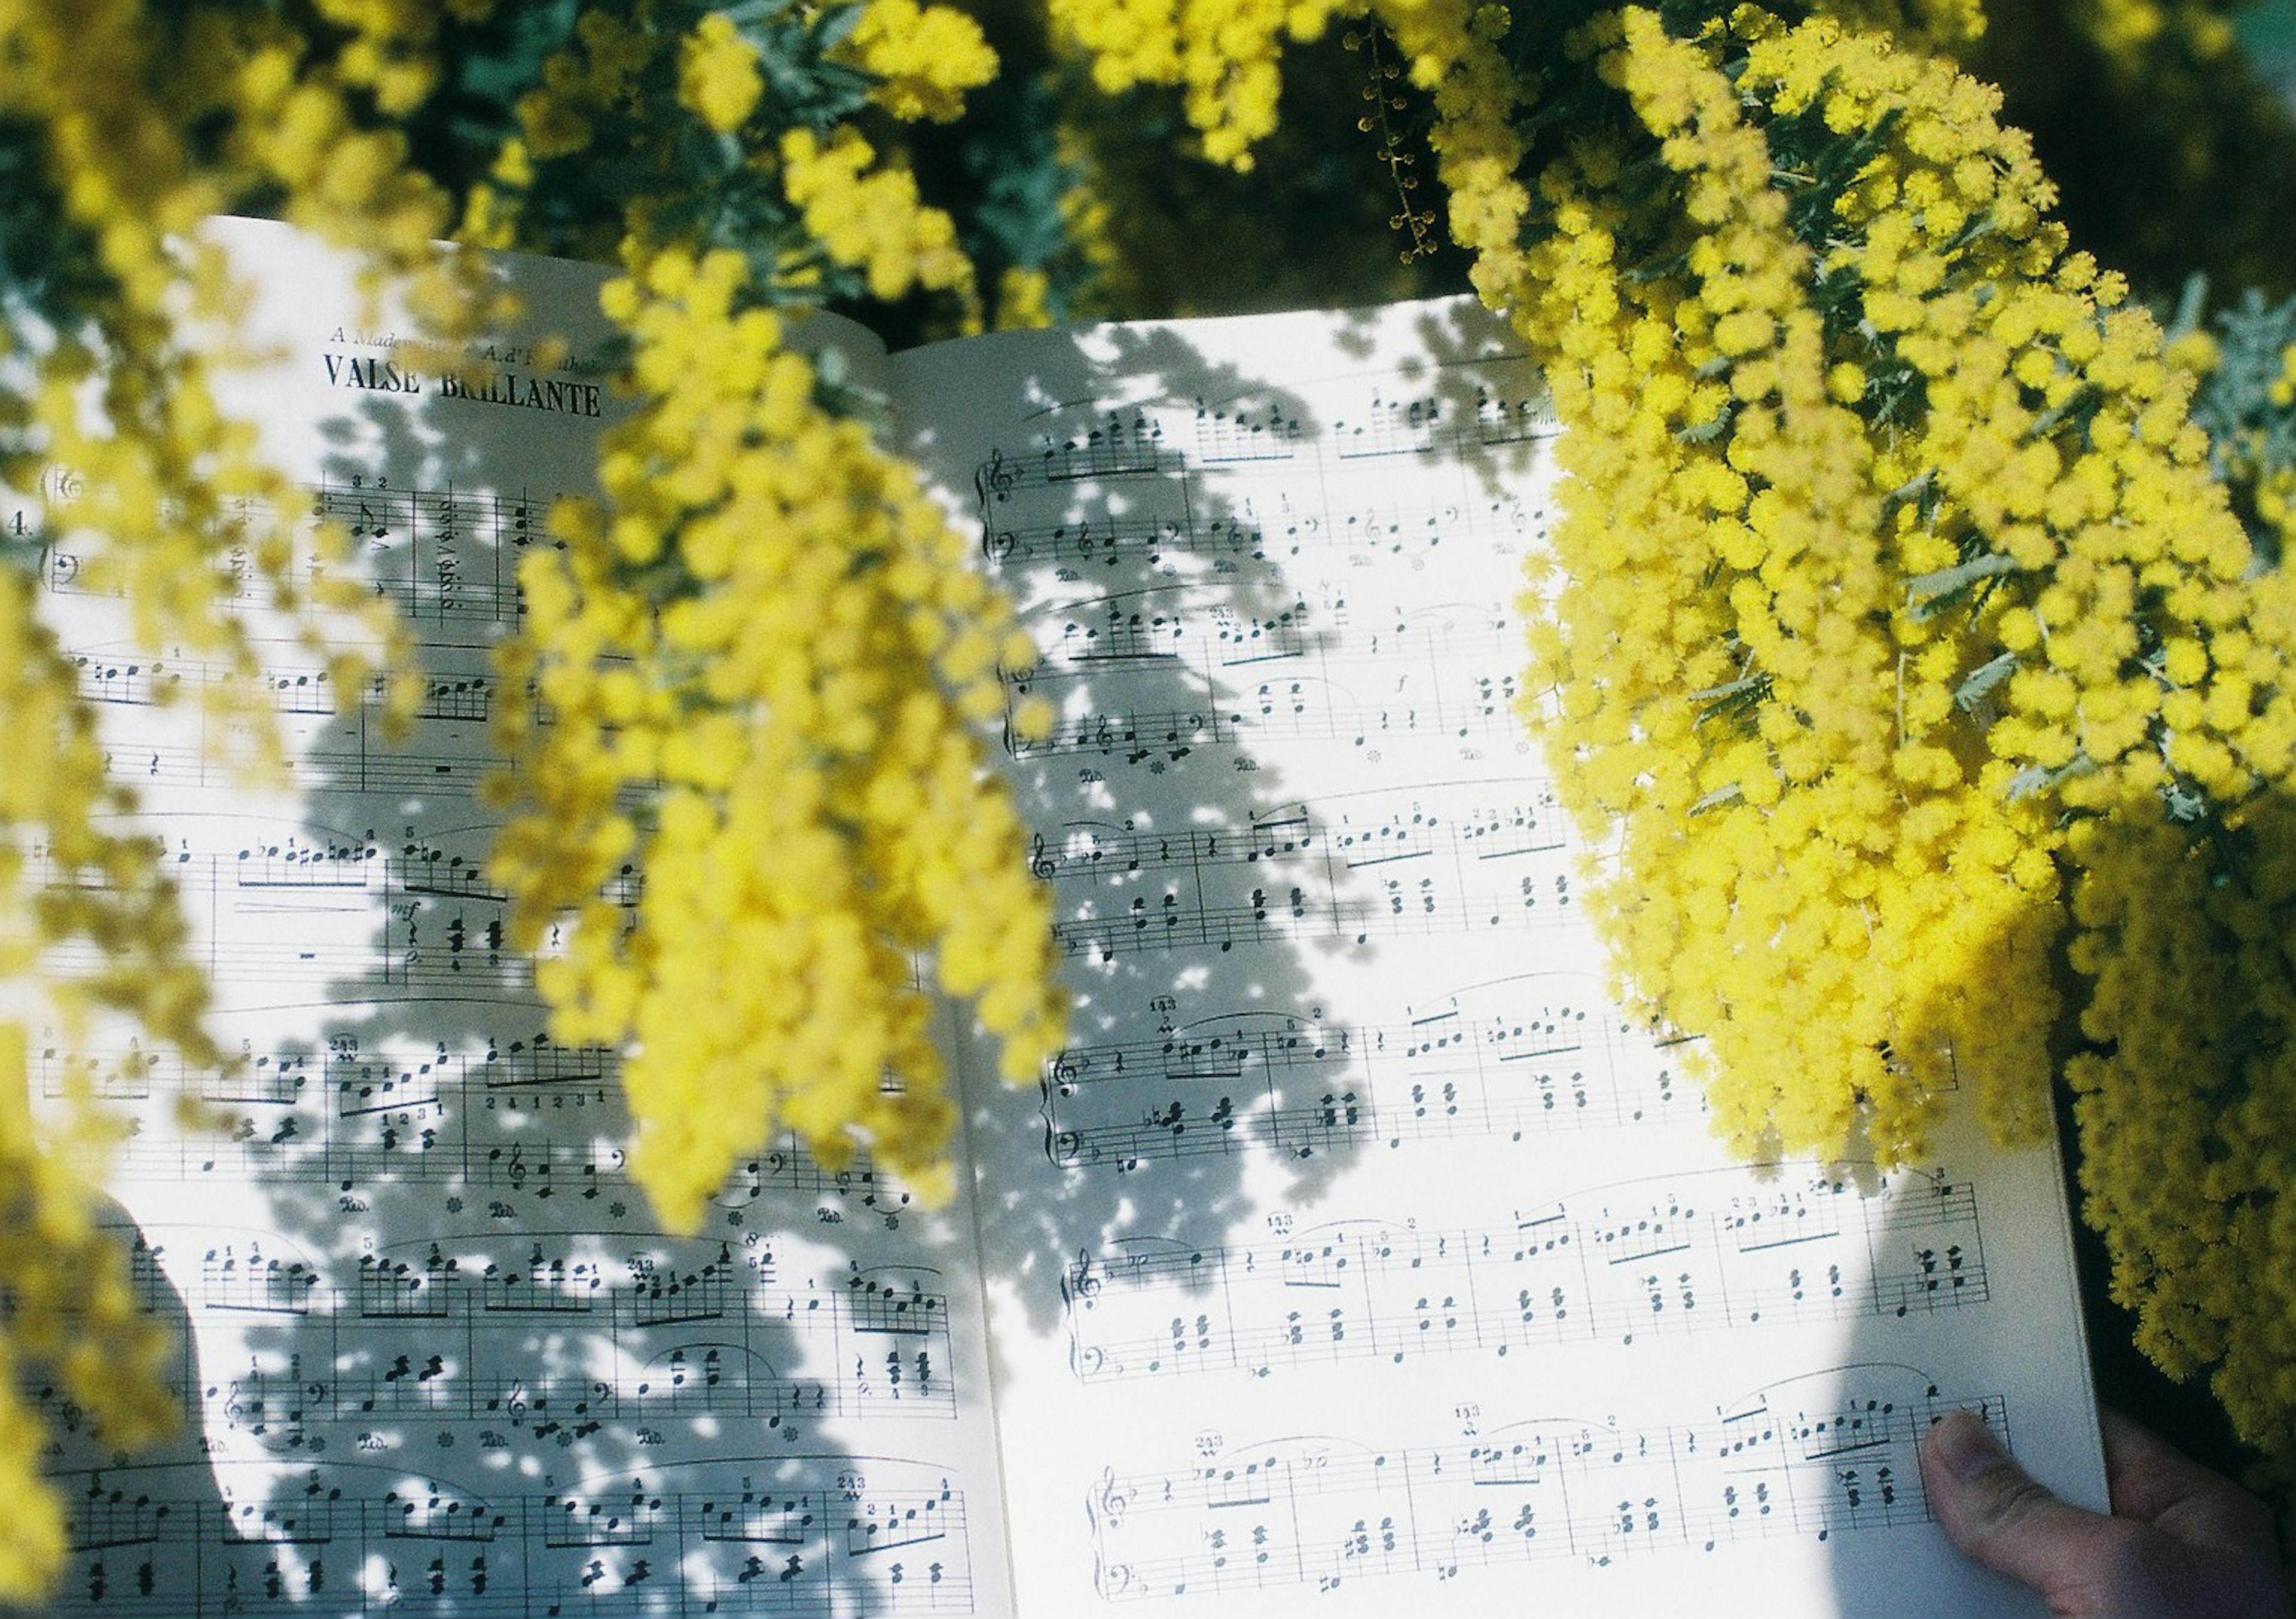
(295, 972)
(438, 1335)
(1389, 427)
(1283, 779)
(1428, 424)
(1440, 671)
(138, 681)
(1114, 446)
(776, 1534)
(1510, 1060)
(448, 557)
(1227, 436)
(1430, 860)
(302, 917)
(337, 743)
(1153, 676)
(427, 1332)
(1815, 1456)
(1619, 1264)
(1257, 443)
(361, 767)
(1258, 532)
(466, 1123)
(422, 1322)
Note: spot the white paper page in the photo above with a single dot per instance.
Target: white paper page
(1357, 1257)
(440, 1361)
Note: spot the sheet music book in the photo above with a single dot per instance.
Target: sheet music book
(1359, 1256)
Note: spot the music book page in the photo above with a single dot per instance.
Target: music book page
(439, 1360)
(1359, 1256)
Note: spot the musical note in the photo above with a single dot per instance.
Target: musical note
(777, 1534)
(460, 1121)
(432, 1336)
(1512, 1060)
(1618, 1264)
(1812, 1458)
(1442, 671)
(1489, 867)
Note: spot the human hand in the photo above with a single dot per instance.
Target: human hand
(2182, 1543)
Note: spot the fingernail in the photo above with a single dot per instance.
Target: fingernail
(1966, 1445)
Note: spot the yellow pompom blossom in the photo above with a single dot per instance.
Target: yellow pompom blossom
(1223, 54)
(1898, 630)
(1022, 299)
(1752, 690)
(718, 74)
(2194, 351)
(164, 480)
(129, 126)
(1451, 51)
(65, 879)
(765, 666)
(300, 128)
(389, 54)
(2126, 31)
(870, 218)
(2200, 173)
(2183, 1107)
(1088, 218)
(798, 718)
(1899, 627)
(594, 80)
(924, 58)
(87, 921)
(2248, 404)
(1860, 693)
(582, 83)
(815, 760)
(1929, 25)
(1860, 703)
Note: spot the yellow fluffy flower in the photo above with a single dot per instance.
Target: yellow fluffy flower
(820, 809)
(718, 75)
(926, 58)
(871, 218)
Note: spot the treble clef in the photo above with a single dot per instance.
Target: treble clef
(1082, 1284)
(1109, 1502)
(996, 479)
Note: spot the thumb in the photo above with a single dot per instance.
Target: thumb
(1993, 1510)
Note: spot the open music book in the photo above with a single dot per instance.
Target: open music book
(1357, 1257)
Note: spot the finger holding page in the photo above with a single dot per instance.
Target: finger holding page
(2182, 1543)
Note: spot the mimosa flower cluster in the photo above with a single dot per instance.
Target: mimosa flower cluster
(2173, 153)
(766, 670)
(1898, 625)
(1224, 53)
(792, 675)
(1886, 756)
(2004, 670)
(1898, 638)
(127, 124)
(765, 665)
